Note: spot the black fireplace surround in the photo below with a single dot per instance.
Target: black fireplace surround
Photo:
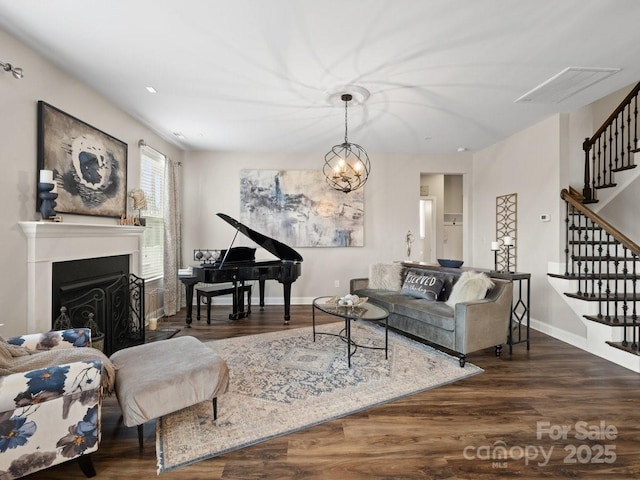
(101, 294)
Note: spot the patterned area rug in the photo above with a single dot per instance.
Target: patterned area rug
(282, 382)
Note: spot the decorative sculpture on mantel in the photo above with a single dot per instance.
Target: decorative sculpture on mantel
(139, 203)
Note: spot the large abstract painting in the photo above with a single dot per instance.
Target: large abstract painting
(89, 166)
(298, 208)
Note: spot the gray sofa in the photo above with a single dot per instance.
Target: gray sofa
(467, 327)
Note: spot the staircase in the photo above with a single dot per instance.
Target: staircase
(602, 266)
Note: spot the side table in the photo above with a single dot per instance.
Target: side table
(520, 307)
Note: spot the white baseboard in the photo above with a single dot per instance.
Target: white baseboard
(560, 334)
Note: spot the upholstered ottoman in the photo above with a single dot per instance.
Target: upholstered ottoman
(162, 377)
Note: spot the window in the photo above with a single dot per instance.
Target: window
(152, 165)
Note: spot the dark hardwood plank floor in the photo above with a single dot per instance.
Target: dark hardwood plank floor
(446, 433)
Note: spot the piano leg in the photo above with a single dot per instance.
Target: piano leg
(287, 302)
(189, 299)
(261, 282)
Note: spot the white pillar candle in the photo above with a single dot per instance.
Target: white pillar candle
(46, 176)
(495, 246)
(507, 241)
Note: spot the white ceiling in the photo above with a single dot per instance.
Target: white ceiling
(257, 75)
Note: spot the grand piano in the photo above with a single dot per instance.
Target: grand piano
(285, 270)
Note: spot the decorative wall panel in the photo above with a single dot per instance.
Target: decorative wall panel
(507, 226)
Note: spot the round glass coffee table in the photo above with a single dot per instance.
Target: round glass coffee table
(366, 311)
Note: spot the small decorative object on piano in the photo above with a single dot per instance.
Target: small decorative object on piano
(206, 256)
(347, 300)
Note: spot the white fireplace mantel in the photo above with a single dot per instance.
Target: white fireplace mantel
(50, 242)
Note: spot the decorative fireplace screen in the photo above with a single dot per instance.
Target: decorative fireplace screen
(113, 308)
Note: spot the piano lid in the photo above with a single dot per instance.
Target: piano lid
(279, 249)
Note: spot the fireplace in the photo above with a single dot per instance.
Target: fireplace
(99, 293)
(50, 242)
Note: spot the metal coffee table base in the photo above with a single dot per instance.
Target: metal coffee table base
(352, 346)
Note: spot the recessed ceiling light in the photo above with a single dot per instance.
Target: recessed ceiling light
(151, 90)
(462, 149)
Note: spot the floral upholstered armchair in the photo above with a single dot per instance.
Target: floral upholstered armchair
(50, 401)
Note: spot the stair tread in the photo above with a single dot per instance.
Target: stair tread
(625, 167)
(598, 258)
(612, 297)
(627, 348)
(611, 321)
(594, 242)
(595, 276)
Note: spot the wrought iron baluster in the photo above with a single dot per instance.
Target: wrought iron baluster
(608, 277)
(616, 283)
(629, 148)
(625, 306)
(616, 141)
(591, 245)
(577, 257)
(634, 315)
(607, 157)
(574, 235)
(622, 128)
(600, 266)
(602, 165)
(566, 238)
(593, 169)
(635, 123)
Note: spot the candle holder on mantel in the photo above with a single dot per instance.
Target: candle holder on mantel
(47, 201)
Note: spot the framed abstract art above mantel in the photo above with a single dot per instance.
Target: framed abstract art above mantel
(89, 166)
(298, 208)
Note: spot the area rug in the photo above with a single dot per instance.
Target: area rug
(282, 382)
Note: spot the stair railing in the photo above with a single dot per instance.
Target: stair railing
(612, 147)
(604, 263)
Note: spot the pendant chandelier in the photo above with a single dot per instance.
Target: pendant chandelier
(346, 166)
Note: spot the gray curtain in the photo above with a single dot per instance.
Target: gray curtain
(173, 290)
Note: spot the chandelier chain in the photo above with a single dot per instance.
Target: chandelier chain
(346, 102)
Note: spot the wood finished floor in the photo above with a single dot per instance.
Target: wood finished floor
(424, 435)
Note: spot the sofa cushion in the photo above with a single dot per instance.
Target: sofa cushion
(386, 276)
(422, 284)
(470, 286)
(384, 298)
(438, 314)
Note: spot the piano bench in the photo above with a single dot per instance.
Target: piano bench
(205, 294)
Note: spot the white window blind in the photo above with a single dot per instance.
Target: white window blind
(152, 165)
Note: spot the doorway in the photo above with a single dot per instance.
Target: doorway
(428, 234)
(442, 223)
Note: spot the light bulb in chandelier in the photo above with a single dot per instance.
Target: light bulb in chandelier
(346, 166)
